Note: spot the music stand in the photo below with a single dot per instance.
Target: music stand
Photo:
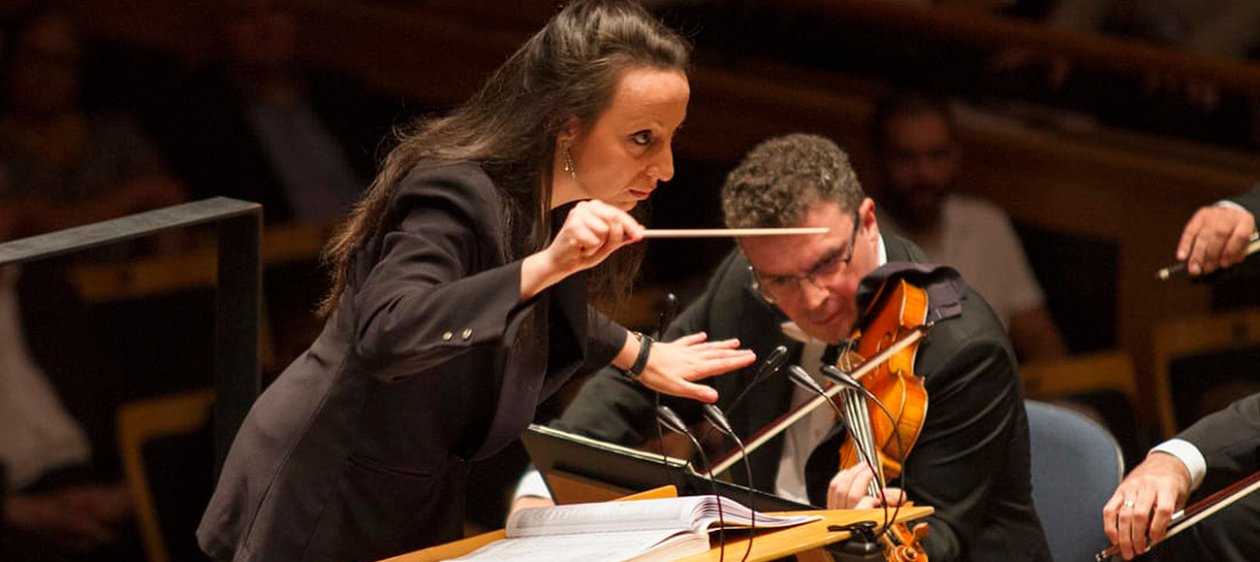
(582, 469)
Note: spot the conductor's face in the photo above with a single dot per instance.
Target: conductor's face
(620, 158)
(813, 279)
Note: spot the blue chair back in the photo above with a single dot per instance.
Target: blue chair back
(1076, 466)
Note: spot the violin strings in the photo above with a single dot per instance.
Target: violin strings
(859, 421)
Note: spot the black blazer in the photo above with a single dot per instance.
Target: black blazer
(1230, 439)
(971, 460)
(360, 449)
(1250, 199)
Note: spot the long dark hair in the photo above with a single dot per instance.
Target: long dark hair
(567, 70)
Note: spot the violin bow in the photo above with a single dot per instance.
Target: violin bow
(783, 422)
(1253, 246)
(1199, 511)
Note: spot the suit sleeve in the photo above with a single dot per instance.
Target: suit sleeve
(1229, 439)
(1249, 200)
(962, 451)
(426, 299)
(604, 339)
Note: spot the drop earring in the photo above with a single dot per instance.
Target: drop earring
(568, 162)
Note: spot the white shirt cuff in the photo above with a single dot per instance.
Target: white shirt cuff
(532, 484)
(1189, 455)
(1231, 205)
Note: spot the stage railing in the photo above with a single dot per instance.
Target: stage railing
(237, 289)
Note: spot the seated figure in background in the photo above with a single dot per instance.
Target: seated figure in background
(915, 142)
(52, 504)
(256, 124)
(64, 167)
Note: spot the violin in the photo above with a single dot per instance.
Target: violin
(780, 424)
(883, 440)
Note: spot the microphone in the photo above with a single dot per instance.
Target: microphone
(771, 365)
(718, 420)
(773, 362)
(671, 421)
(668, 418)
(803, 380)
(669, 309)
(843, 378)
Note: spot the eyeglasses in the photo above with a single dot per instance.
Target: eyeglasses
(779, 288)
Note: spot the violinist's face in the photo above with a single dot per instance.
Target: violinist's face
(824, 305)
(629, 148)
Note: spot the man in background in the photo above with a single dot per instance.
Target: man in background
(915, 142)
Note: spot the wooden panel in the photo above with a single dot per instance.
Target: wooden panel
(973, 27)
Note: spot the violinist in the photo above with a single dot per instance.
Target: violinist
(971, 460)
(1218, 449)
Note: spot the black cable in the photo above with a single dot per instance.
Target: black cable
(718, 420)
(666, 416)
(771, 365)
(773, 362)
(802, 379)
(848, 381)
(669, 309)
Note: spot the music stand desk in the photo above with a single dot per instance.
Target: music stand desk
(579, 469)
(768, 545)
(804, 541)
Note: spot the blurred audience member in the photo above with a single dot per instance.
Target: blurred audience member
(62, 166)
(914, 139)
(51, 500)
(262, 127)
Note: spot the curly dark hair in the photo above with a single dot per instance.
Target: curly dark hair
(569, 69)
(779, 179)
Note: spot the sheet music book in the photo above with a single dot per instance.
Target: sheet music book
(631, 470)
(639, 531)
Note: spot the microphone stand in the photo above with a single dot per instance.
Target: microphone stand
(718, 420)
(867, 546)
(773, 362)
(669, 309)
(846, 380)
(668, 418)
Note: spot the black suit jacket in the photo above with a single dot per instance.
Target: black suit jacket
(1250, 200)
(1230, 439)
(971, 460)
(359, 450)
